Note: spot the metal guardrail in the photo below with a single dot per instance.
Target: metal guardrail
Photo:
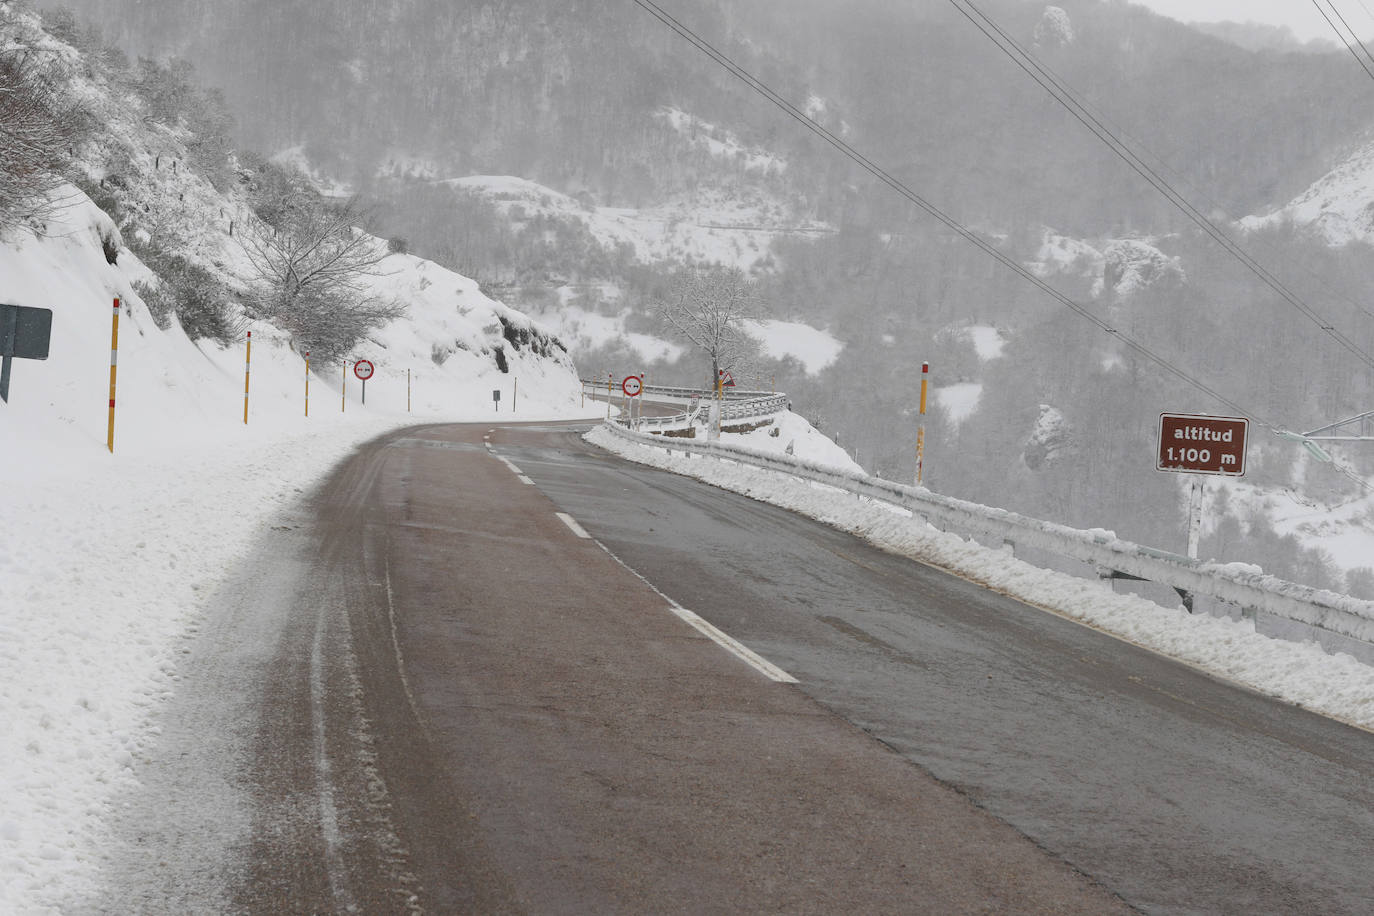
(1278, 607)
(671, 392)
(738, 405)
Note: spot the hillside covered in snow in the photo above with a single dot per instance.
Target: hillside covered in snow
(107, 559)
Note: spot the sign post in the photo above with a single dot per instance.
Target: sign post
(307, 383)
(632, 386)
(24, 334)
(496, 399)
(363, 369)
(1200, 444)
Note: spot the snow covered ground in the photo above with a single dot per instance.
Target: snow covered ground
(959, 400)
(1337, 205)
(814, 348)
(711, 227)
(1300, 673)
(108, 561)
(794, 432)
(582, 328)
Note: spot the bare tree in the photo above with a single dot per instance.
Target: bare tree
(707, 306)
(311, 264)
(38, 125)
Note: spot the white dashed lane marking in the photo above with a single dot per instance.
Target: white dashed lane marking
(572, 524)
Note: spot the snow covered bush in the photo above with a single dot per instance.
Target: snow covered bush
(38, 127)
(190, 292)
(308, 273)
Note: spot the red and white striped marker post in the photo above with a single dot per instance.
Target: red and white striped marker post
(921, 430)
(247, 361)
(114, 362)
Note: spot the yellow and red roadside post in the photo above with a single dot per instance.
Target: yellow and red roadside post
(247, 362)
(921, 430)
(114, 362)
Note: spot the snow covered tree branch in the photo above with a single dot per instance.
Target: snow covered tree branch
(707, 306)
(38, 125)
(310, 268)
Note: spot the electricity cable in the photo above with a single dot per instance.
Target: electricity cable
(1346, 41)
(1028, 63)
(954, 225)
(1100, 116)
(1353, 34)
(1162, 164)
(1066, 98)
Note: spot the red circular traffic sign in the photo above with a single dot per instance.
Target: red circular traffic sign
(632, 385)
(363, 369)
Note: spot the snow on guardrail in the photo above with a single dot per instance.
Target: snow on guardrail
(1278, 607)
(738, 404)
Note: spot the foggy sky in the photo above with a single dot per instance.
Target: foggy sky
(1299, 15)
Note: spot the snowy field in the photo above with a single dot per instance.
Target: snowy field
(107, 563)
(1300, 673)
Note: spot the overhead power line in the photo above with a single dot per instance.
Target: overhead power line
(1365, 60)
(798, 115)
(1066, 97)
(954, 225)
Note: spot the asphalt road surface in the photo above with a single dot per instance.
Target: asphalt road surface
(483, 672)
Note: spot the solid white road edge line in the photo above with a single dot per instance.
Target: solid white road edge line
(572, 524)
(526, 480)
(734, 646)
(711, 632)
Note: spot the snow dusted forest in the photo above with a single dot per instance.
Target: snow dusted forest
(570, 155)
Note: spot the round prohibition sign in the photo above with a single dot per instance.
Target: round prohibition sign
(632, 385)
(363, 369)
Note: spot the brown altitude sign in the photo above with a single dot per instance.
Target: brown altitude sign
(1202, 445)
